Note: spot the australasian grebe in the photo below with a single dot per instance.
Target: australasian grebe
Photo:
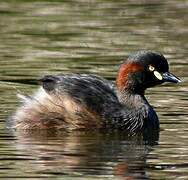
(80, 101)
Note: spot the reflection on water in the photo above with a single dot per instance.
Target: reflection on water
(48, 37)
(97, 154)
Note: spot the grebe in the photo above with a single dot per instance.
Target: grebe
(81, 101)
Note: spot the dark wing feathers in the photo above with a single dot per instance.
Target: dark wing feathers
(89, 90)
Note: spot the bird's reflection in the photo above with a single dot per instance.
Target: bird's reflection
(108, 154)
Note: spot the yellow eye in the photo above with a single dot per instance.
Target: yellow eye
(151, 68)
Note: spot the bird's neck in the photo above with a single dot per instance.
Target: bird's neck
(131, 99)
(131, 114)
(134, 113)
(140, 108)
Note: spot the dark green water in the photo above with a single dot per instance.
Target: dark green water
(92, 36)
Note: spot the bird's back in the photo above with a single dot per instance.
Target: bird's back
(89, 91)
(68, 102)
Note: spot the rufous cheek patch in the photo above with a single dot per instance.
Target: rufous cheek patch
(124, 71)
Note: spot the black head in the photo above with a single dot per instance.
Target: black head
(142, 70)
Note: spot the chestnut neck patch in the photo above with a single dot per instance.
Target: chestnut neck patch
(124, 71)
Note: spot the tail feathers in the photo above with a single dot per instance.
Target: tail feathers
(24, 98)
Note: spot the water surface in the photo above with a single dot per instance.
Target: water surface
(92, 36)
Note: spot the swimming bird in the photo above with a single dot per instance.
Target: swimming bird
(83, 101)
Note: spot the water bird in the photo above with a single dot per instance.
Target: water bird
(83, 101)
